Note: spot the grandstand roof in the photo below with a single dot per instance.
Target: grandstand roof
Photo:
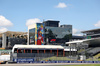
(78, 41)
(91, 30)
(88, 41)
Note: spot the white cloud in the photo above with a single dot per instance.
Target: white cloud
(32, 21)
(77, 32)
(2, 29)
(97, 24)
(5, 22)
(61, 5)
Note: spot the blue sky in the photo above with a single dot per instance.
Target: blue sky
(82, 14)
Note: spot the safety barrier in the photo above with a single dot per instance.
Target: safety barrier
(32, 61)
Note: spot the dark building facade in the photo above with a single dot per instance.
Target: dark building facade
(51, 23)
(49, 32)
(57, 35)
(32, 36)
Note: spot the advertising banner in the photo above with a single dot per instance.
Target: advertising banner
(31, 60)
(39, 36)
(23, 60)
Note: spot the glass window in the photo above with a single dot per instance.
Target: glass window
(41, 51)
(47, 51)
(20, 50)
(34, 51)
(15, 50)
(32, 36)
(27, 50)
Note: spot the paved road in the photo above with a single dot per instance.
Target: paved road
(46, 64)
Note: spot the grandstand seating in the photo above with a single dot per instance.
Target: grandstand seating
(94, 51)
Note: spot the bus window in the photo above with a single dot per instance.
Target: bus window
(15, 50)
(41, 51)
(60, 52)
(27, 50)
(54, 52)
(47, 51)
(34, 51)
(20, 50)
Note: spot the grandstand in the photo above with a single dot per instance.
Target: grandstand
(90, 46)
(94, 51)
(10, 38)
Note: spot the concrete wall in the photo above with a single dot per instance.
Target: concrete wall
(4, 40)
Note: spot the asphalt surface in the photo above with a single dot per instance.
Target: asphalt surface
(45, 64)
